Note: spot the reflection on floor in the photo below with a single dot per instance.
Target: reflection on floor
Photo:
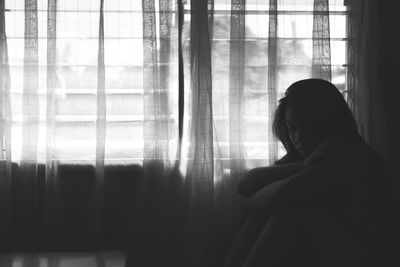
(89, 259)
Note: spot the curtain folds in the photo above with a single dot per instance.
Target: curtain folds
(236, 84)
(5, 133)
(101, 126)
(321, 41)
(158, 204)
(200, 174)
(26, 214)
(272, 75)
(109, 89)
(365, 87)
(50, 205)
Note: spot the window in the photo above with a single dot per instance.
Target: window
(75, 92)
(294, 48)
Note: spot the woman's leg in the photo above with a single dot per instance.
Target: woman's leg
(281, 242)
(250, 229)
(309, 236)
(334, 239)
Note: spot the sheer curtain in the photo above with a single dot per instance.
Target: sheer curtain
(241, 56)
(5, 127)
(364, 76)
(63, 111)
(99, 83)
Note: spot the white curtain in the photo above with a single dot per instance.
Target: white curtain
(5, 132)
(364, 75)
(241, 56)
(102, 83)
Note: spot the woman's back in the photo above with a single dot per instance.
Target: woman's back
(366, 198)
(330, 197)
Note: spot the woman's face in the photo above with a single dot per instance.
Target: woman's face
(302, 133)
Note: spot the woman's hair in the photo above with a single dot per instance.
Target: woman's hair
(321, 106)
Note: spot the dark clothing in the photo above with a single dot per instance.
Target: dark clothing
(310, 236)
(363, 199)
(346, 220)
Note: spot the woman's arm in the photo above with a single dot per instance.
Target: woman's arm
(333, 165)
(258, 178)
(309, 184)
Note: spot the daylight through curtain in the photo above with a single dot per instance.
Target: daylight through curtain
(321, 41)
(89, 89)
(50, 206)
(5, 132)
(240, 66)
(27, 180)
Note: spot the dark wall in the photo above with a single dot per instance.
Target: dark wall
(66, 219)
(390, 80)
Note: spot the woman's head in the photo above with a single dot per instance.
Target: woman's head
(312, 111)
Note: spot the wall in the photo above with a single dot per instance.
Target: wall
(72, 226)
(390, 80)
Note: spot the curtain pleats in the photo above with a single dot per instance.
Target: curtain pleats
(51, 80)
(201, 131)
(5, 101)
(50, 201)
(153, 166)
(321, 65)
(187, 218)
(236, 83)
(154, 134)
(165, 72)
(25, 214)
(100, 128)
(158, 201)
(30, 104)
(5, 134)
(200, 175)
(272, 76)
(151, 83)
(156, 69)
(181, 78)
(364, 82)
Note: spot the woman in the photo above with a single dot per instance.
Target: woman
(325, 203)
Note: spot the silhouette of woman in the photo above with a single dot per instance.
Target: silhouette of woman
(326, 202)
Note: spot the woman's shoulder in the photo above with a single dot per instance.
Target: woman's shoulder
(346, 155)
(330, 150)
(355, 162)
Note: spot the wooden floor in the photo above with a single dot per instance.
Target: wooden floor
(90, 259)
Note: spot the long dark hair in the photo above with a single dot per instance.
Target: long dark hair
(322, 107)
